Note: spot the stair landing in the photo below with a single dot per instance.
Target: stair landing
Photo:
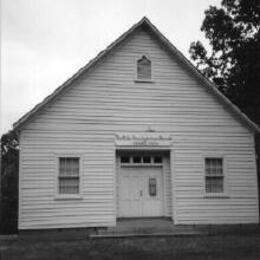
(145, 227)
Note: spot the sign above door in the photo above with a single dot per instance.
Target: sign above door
(143, 139)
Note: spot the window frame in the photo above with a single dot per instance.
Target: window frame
(61, 196)
(141, 163)
(137, 80)
(225, 193)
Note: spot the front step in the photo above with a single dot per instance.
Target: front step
(145, 228)
(129, 235)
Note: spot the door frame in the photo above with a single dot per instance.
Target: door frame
(138, 151)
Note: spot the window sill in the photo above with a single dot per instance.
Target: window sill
(216, 195)
(68, 197)
(144, 81)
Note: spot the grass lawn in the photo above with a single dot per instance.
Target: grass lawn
(183, 247)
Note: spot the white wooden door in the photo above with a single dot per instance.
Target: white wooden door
(152, 198)
(140, 192)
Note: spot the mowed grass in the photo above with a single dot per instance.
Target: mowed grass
(183, 247)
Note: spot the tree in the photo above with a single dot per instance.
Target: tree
(233, 62)
(9, 181)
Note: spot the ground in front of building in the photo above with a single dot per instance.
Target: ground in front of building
(230, 242)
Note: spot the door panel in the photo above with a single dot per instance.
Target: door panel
(153, 199)
(140, 192)
(130, 202)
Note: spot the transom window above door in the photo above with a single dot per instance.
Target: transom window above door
(141, 160)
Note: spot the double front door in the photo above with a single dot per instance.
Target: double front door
(140, 192)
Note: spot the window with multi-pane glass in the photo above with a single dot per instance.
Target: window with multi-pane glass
(68, 175)
(214, 175)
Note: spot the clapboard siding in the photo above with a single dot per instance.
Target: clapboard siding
(84, 119)
(167, 186)
(241, 204)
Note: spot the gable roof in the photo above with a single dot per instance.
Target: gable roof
(145, 23)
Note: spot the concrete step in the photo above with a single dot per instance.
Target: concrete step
(153, 234)
(145, 228)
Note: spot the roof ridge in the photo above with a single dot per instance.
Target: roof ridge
(212, 87)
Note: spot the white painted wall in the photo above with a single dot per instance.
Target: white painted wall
(84, 119)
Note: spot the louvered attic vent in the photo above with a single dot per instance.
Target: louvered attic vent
(144, 71)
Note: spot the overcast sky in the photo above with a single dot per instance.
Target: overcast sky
(44, 42)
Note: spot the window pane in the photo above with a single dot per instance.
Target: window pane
(157, 159)
(147, 159)
(214, 175)
(214, 184)
(137, 159)
(125, 159)
(68, 185)
(68, 175)
(152, 187)
(69, 167)
(214, 166)
(144, 68)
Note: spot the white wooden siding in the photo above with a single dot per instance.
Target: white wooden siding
(107, 100)
(167, 184)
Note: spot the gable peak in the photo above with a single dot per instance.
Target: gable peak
(144, 22)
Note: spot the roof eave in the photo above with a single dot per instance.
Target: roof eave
(212, 87)
(144, 21)
(17, 126)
